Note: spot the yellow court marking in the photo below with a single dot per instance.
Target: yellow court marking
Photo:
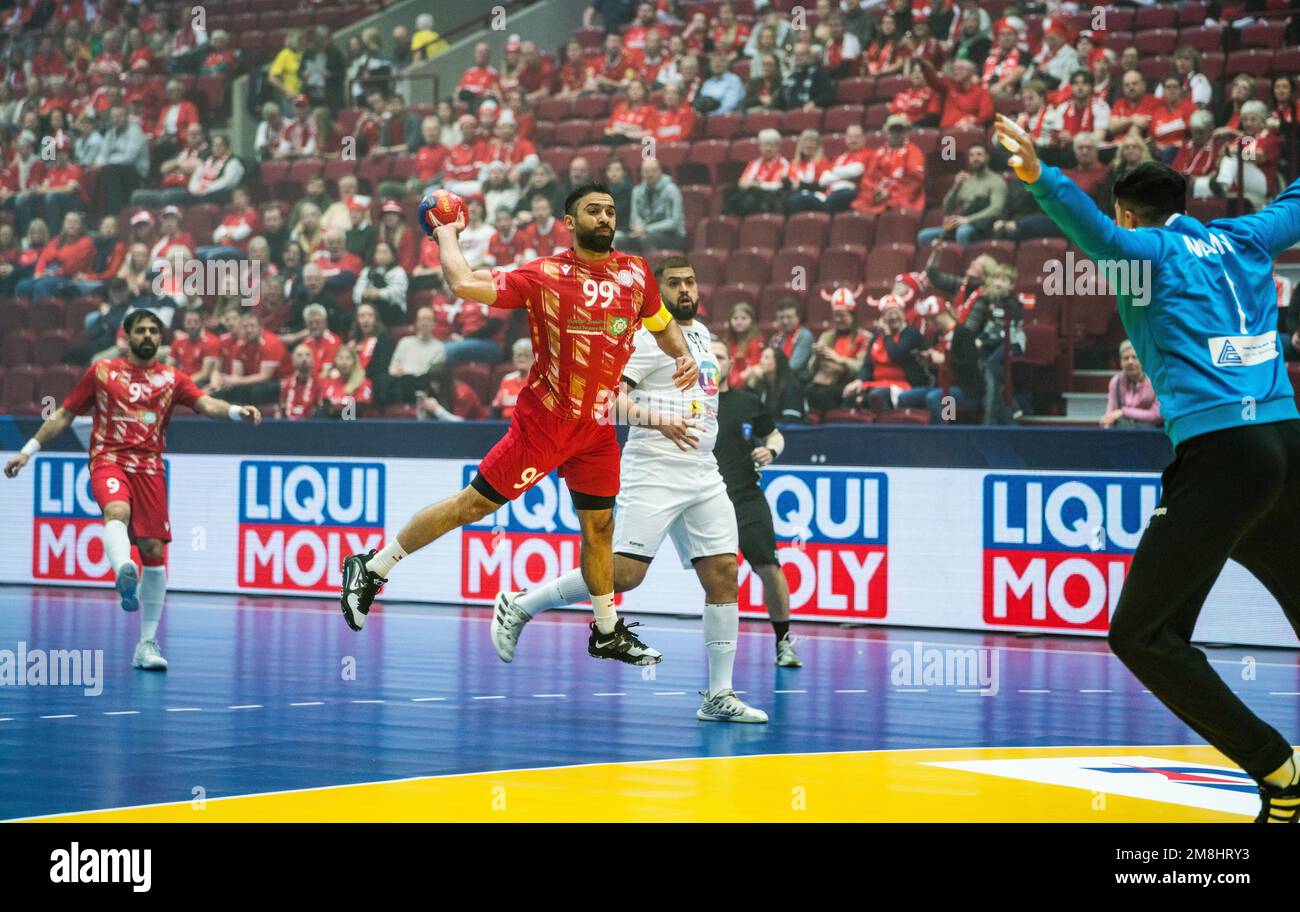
(869, 786)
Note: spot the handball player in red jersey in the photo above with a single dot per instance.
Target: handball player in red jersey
(133, 399)
(584, 307)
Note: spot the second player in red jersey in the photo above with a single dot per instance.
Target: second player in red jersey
(132, 399)
(584, 306)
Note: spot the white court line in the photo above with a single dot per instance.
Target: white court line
(427, 699)
(789, 691)
(246, 706)
(850, 691)
(6, 720)
(183, 709)
(367, 701)
(910, 690)
(123, 712)
(430, 615)
(61, 716)
(1284, 693)
(670, 693)
(1088, 691)
(496, 697)
(549, 696)
(313, 703)
(615, 693)
(1034, 691)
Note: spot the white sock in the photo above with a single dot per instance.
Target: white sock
(117, 544)
(382, 562)
(721, 630)
(153, 589)
(606, 616)
(567, 589)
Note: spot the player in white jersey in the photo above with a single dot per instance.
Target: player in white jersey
(671, 487)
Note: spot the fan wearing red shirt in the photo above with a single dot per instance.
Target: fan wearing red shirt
(132, 399)
(462, 170)
(545, 235)
(648, 61)
(675, 121)
(1082, 113)
(479, 81)
(512, 384)
(322, 343)
(70, 253)
(194, 351)
(575, 74)
(1135, 108)
(636, 34)
(966, 103)
(518, 155)
(64, 185)
(300, 393)
(631, 117)
(761, 187)
(1171, 121)
(1199, 154)
(508, 243)
(345, 389)
(918, 101)
(614, 67)
(258, 362)
(895, 174)
(584, 307)
(338, 265)
(431, 155)
(537, 75)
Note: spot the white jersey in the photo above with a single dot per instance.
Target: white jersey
(652, 372)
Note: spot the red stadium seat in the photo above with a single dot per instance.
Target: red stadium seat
(50, 346)
(857, 91)
(889, 86)
(477, 377)
(729, 296)
(1032, 257)
(852, 227)
(795, 266)
(16, 348)
(571, 132)
(768, 298)
(1286, 62)
(723, 126)
(46, 313)
(1263, 34)
(1212, 65)
(761, 230)
(1002, 251)
(1155, 17)
(897, 226)
(1156, 41)
(1255, 61)
(709, 266)
(1191, 13)
(842, 265)
(749, 266)
(761, 120)
(883, 263)
(806, 229)
(705, 156)
(554, 108)
(840, 117)
(798, 120)
(671, 155)
(873, 118)
(904, 416)
(1203, 38)
(950, 258)
(719, 232)
(696, 203)
(592, 107)
(19, 390)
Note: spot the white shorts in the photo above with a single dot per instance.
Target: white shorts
(694, 511)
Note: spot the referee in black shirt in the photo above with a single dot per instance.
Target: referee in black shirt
(747, 439)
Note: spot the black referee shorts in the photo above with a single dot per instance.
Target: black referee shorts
(1234, 494)
(754, 523)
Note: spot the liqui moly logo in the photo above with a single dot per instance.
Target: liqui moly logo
(67, 524)
(1057, 547)
(832, 531)
(298, 520)
(529, 541)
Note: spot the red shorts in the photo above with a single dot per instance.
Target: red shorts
(146, 495)
(585, 451)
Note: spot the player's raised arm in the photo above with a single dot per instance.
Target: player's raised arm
(1069, 207)
(472, 285)
(53, 426)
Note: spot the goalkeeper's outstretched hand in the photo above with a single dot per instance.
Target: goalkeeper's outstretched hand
(1016, 140)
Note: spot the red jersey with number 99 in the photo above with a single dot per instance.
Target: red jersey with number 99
(132, 407)
(582, 315)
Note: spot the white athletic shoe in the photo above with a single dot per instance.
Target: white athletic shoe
(148, 656)
(786, 657)
(507, 623)
(128, 586)
(725, 706)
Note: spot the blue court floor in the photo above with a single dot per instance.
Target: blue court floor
(271, 695)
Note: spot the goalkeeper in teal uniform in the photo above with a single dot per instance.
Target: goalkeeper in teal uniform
(1201, 310)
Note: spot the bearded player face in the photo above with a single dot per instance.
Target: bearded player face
(679, 292)
(144, 338)
(593, 225)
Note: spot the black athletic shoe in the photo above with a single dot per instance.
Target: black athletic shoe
(360, 586)
(622, 645)
(1279, 805)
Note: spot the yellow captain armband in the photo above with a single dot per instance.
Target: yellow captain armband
(659, 322)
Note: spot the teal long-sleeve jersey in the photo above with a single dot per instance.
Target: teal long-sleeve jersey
(1198, 303)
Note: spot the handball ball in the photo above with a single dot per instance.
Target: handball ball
(441, 207)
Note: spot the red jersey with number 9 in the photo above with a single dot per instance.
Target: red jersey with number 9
(132, 407)
(582, 315)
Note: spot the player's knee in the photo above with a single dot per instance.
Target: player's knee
(473, 506)
(598, 525)
(628, 574)
(151, 551)
(118, 510)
